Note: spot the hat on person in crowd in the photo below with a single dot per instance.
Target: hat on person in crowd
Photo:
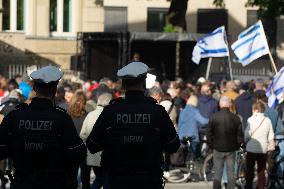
(48, 74)
(201, 80)
(133, 70)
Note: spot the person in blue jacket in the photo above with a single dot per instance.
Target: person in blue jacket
(190, 121)
(206, 104)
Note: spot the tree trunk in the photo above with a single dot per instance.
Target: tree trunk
(176, 14)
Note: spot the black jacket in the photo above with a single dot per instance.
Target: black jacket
(133, 132)
(225, 131)
(244, 106)
(42, 141)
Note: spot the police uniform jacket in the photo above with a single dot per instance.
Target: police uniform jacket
(40, 138)
(133, 132)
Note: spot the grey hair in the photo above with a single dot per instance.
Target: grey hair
(225, 101)
(155, 90)
(104, 99)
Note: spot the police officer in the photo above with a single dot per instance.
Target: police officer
(41, 138)
(133, 132)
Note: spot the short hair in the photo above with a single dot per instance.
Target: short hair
(205, 88)
(45, 89)
(259, 80)
(104, 80)
(225, 101)
(155, 90)
(104, 99)
(192, 100)
(230, 85)
(133, 82)
(258, 105)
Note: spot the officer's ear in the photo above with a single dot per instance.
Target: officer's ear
(144, 85)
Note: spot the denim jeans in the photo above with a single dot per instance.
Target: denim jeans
(101, 179)
(195, 147)
(219, 158)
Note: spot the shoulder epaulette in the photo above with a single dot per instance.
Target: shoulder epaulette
(22, 106)
(60, 109)
(116, 100)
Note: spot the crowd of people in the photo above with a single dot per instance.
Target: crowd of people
(192, 107)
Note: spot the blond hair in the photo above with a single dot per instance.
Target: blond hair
(192, 100)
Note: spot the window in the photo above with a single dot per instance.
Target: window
(252, 17)
(210, 19)
(115, 19)
(20, 14)
(6, 15)
(53, 15)
(156, 19)
(13, 15)
(61, 17)
(67, 15)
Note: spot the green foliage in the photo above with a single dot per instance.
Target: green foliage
(267, 8)
(169, 28)
(219, 3)
(99, 2)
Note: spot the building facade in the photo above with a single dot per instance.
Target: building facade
(40, 32)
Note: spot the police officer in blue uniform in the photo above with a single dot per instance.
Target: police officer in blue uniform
(133, 132)
(41, 139)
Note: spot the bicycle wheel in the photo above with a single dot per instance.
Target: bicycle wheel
(177, 175)
(207, 168)
(241, 170)
(279, 175)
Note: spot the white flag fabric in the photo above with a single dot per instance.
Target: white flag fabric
(211, 45)
(275, 89)
(251, 44)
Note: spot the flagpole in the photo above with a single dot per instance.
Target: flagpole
(269, 53)
(208, 68)
(272, 62)
(229, 56)
(230, 67)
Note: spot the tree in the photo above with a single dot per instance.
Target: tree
(176, 15)
(270, 9)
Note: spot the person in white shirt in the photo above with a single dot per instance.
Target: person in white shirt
(94, 160)
(259, 137)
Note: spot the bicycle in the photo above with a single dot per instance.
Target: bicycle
(274, 177)
(207, 171)
(179, 174)
(276, 172)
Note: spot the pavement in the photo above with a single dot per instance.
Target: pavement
(189, 185)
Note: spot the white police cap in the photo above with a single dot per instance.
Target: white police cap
(47, 74)
(133, 70)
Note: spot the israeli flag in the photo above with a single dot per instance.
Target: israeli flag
(275, 90)
(251, 44)
(211, 45)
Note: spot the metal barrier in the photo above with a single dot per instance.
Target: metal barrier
(25, 69)
(21, 69)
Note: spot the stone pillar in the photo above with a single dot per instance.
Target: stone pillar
(13, 15)
(60, 16)
(42, 18)
(76, 16)
(1, 15)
